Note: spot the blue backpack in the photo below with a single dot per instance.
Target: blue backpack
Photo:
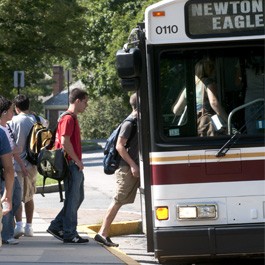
(112, 157)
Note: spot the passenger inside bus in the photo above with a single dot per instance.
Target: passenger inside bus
(207, 103)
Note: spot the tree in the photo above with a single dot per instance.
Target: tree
(109, 25)
(82, 35)
(78, 34)
(110, 22)
(33, 35)
(103, 115)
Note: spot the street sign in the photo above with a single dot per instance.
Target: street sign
(68, 76)
(19, 79)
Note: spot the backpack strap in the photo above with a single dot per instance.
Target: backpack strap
(37, 118)
(133, 131)
(59, 186)
(60, 190)
(11, 133)
(51, 144)
(43, 184)
(66, 113)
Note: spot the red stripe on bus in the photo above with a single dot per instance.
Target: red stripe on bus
(210, 172)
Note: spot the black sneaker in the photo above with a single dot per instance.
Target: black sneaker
(107, 242)
(56, 234)
(76, 240)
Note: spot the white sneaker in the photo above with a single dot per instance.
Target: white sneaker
(28, 231)
(11, 241)
(19, 231)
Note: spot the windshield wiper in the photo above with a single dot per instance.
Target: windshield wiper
(225, 148)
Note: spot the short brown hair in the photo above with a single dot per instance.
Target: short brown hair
(77, 93)
(133, 101)
(21, 102)
(5, 104)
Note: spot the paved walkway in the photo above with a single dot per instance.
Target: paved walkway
(45, 249)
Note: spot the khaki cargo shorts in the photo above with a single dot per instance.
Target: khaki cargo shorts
(127, 185)
(28, 183)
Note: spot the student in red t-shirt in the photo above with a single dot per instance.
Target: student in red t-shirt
(63, 227)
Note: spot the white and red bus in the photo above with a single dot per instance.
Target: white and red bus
(203, 196)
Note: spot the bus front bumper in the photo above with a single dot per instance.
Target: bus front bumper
(187, 243)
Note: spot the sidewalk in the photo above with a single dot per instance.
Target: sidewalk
(45, 249)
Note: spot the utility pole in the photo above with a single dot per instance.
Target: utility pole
(68, 77)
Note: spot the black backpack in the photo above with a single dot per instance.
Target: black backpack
(52, 163)
(112, 157)
(38, 137)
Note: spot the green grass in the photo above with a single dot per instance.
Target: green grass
(87, 143)
(48, 181)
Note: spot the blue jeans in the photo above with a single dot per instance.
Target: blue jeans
(8, 219)
(66, 219)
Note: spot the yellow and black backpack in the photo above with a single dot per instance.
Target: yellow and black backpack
(38, 137)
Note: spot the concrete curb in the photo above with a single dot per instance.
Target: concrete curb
(114, 250)
(116, 228)
(95, 144)
(48, 188)
(91, 148)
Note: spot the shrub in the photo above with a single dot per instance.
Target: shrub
(103, 115)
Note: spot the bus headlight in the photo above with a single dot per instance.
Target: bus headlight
(187, 212)
(206, 211)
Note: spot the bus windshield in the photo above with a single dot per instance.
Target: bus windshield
(211, 92)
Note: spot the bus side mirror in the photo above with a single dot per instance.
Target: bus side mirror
(130, 84)
(129, 65)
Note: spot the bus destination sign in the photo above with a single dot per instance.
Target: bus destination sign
(224, 18)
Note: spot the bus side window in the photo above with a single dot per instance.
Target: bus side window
(254, 113)
(172, 84)
(247, 92)
(234, 90)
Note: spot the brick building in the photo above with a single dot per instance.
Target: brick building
(58, 102)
